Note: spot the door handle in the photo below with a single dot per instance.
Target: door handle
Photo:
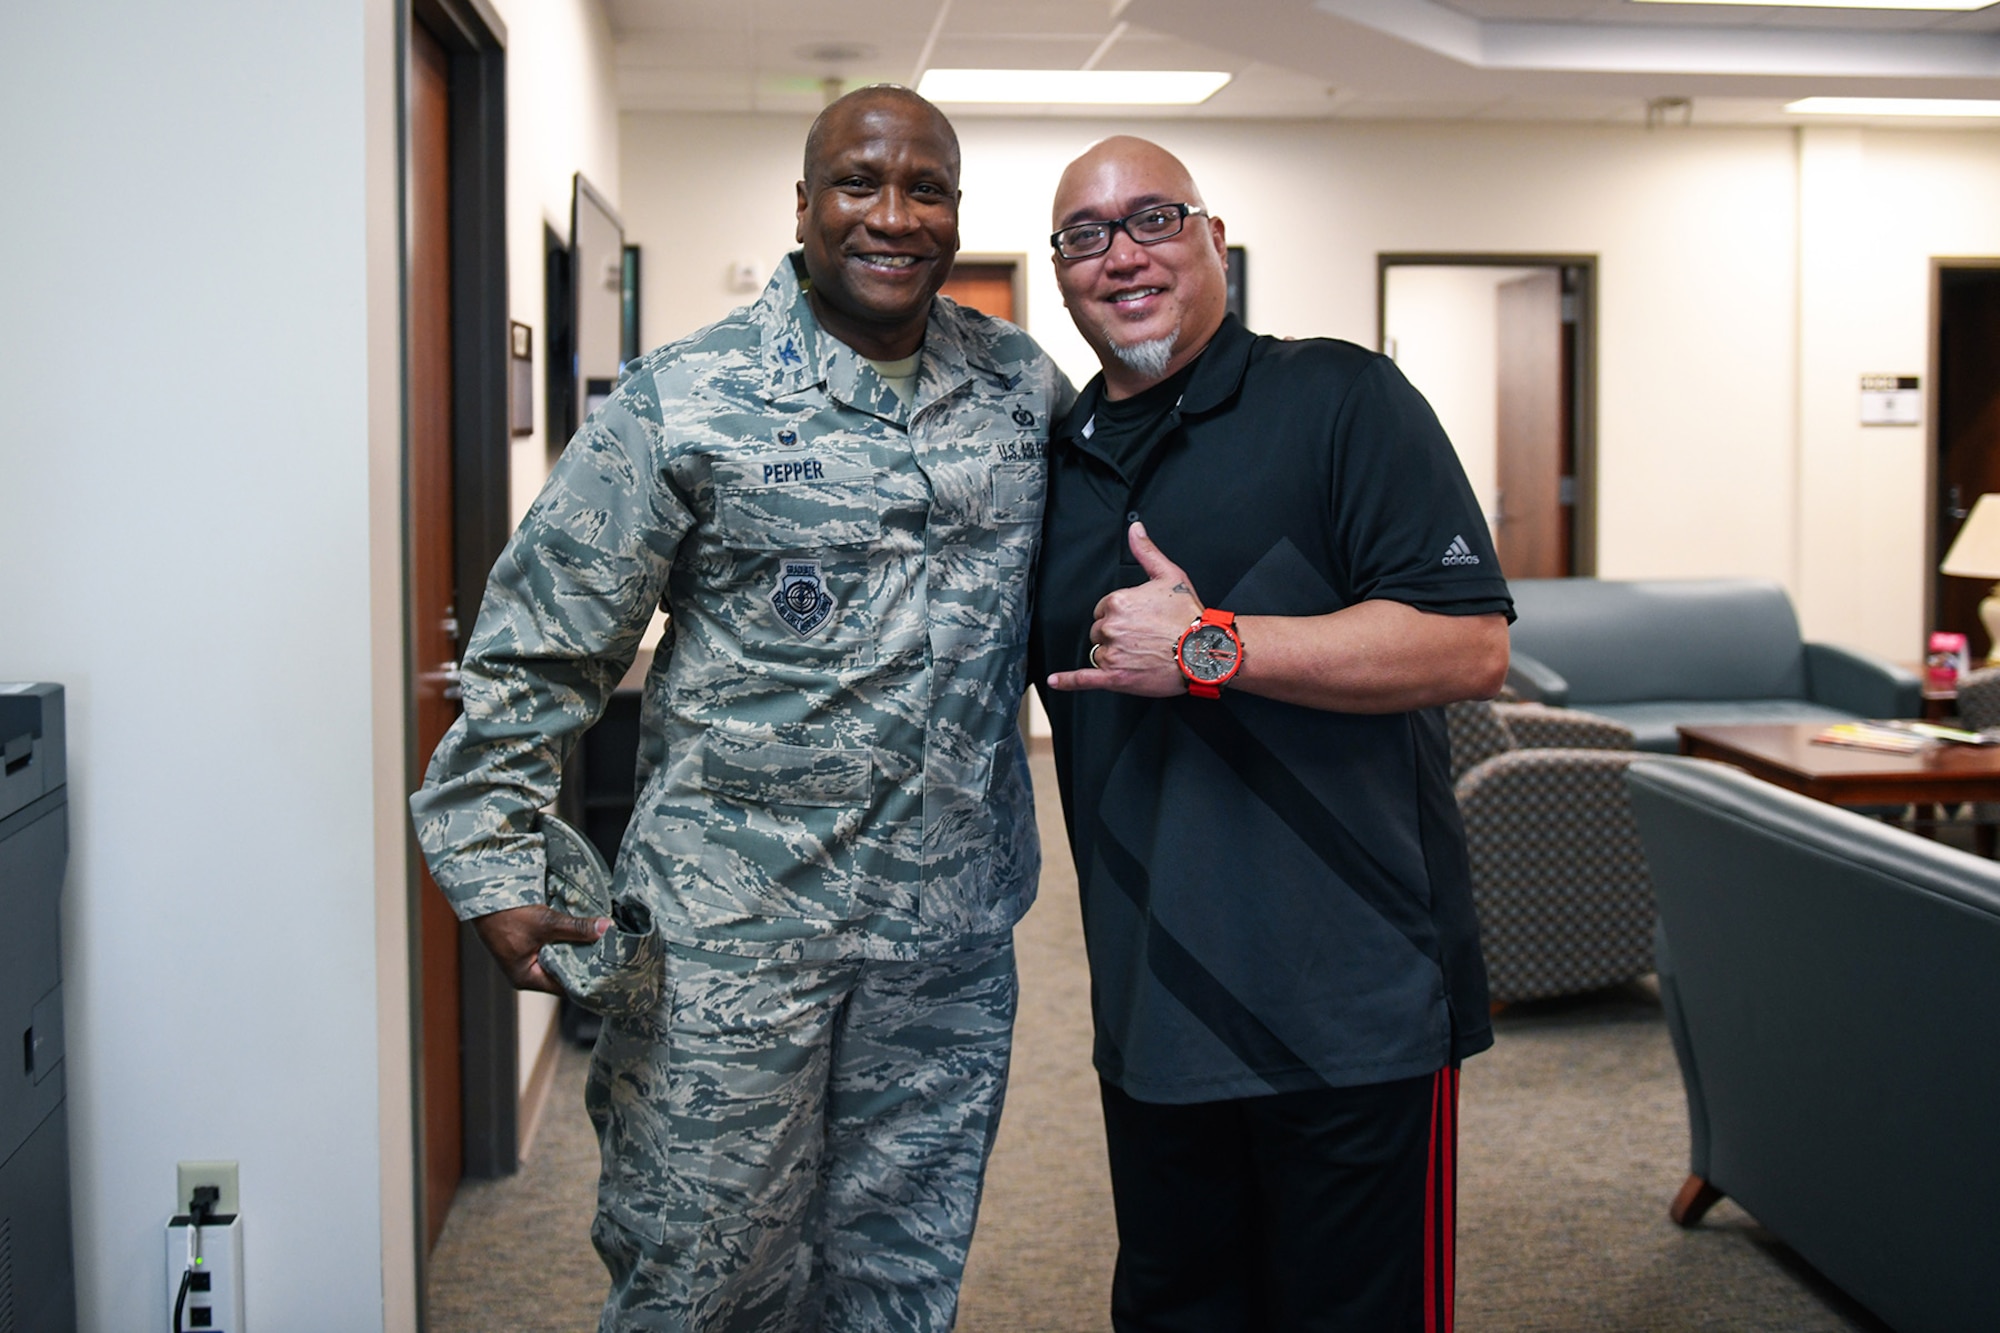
(446, 675)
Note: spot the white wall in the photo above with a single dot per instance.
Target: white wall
(190, 495)
(1732, 324)
(1876, 207)
(389, 674)
(562, 118)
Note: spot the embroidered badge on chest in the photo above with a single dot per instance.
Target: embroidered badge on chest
(801, 599)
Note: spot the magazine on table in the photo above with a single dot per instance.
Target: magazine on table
(1901, 735)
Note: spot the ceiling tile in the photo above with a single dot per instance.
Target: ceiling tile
(1699, 15)
(858, 20)
(757, 54)
(1145, 50)
(954, 51)
(1047, 17)
(732, 51)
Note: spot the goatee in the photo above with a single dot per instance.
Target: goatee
(1147, 359)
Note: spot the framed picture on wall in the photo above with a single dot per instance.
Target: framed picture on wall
(1233, 268)
(520, 378)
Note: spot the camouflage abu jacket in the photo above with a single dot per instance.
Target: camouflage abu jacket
(830, 764)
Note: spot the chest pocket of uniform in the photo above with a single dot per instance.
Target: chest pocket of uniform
(809, 504)
(1017, 492)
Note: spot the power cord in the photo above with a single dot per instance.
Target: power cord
(200, 1209)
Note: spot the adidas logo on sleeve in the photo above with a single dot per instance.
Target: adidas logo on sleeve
(1458, 553)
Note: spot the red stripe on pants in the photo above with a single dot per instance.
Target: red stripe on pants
(1441, 1203)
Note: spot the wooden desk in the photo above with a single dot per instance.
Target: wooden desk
(1783, 753)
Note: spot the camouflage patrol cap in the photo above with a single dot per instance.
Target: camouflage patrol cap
(624, 972)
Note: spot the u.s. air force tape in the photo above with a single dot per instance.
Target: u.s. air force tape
(624, 972)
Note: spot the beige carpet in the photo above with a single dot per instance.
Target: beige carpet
(515, 1254)
(1574, 1139)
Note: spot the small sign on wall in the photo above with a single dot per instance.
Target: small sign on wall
(1890, 400)
(521, 378)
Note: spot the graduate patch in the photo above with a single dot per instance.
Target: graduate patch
(801, 599)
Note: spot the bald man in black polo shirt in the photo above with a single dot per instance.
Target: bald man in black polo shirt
(1263, 572)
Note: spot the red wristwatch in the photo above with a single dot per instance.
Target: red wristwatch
(1210, 653)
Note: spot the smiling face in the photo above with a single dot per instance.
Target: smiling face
(1134, 299)
(878, 215)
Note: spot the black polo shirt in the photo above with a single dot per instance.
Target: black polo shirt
(1275, 898)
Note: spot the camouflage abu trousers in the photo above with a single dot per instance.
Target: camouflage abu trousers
(799, 1146)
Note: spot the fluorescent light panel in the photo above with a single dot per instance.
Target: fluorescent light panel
(1893, 106)
(1940, 6)
(1081, 87)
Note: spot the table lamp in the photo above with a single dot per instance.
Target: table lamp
(1975, 554)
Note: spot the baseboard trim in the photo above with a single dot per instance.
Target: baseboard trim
(535, 1096)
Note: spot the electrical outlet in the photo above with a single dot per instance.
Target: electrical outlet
(222, 1175)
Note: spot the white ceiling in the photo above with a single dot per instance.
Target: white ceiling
(1574, 60)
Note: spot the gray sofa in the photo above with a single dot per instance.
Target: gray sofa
(1660, 654)
(1831, 985)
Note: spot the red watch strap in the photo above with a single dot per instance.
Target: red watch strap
(1225, 620)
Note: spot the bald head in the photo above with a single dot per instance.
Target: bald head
(1146, 308)
(1113, 168)
(846, 111)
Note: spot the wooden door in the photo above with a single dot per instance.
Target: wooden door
(1532, 532)
(433, 628)
(987, 288)
(1968, 432)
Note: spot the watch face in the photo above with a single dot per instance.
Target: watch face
(1208, 653)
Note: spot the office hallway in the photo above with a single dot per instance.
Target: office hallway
(1573, 1142)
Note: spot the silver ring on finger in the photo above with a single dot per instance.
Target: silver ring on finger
(1093, 656)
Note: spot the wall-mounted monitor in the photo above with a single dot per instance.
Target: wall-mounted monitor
(587, 312)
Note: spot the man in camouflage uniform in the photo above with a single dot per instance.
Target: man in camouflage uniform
(837, 493)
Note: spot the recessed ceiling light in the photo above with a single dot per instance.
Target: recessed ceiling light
(1092, 87)
(1893, 106)
(1955, 6)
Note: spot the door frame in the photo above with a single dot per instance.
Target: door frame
(1580, 273)
(474, 38)
(1933, 363)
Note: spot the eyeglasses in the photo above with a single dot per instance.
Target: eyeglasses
(1148, 226)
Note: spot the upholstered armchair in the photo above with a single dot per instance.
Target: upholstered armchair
(1558, 875)
(1830, 985)
(1979, 698)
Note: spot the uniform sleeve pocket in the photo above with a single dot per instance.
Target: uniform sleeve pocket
(774, 772)
(623, 974)
(1017, 492)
